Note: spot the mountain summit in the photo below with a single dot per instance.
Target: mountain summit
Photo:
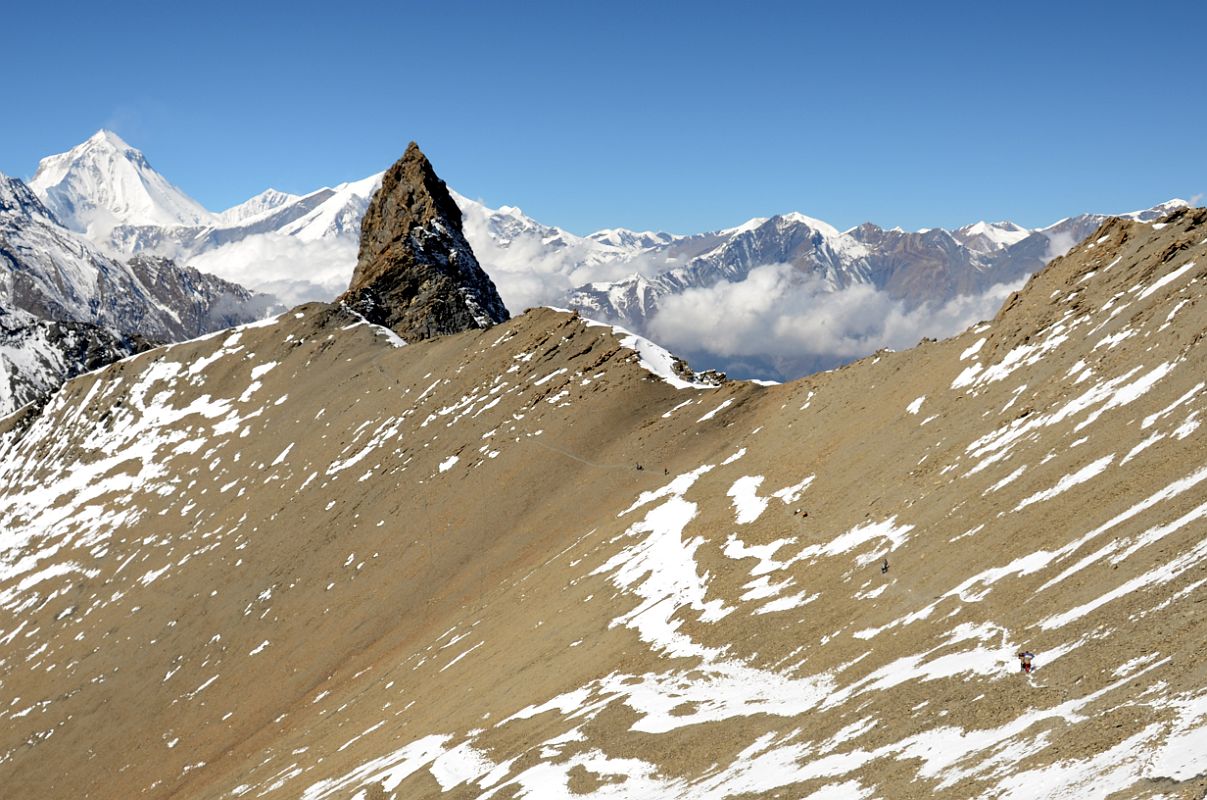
(415, 271)
(104, 182)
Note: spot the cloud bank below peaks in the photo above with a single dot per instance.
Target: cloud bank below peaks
(777, 324)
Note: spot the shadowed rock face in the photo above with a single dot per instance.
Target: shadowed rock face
(415, 272)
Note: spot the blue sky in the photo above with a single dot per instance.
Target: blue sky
(637, 114)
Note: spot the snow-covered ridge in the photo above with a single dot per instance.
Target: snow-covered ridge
(987, 237)
(266, 201)
(658, 361)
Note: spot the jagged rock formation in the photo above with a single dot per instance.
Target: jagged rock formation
(218, 578)
(415, 272)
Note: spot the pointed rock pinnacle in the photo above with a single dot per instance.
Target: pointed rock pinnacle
(415, 272)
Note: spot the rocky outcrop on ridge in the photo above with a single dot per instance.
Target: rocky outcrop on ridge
(415, 272)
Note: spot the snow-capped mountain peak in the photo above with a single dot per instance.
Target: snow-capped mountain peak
(797, 218)
(104, 182)
(267, 200)
(749, 225)
(339, 215)
(629, 239)
(989, 237)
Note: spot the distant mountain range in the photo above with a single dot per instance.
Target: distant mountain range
(303, 247)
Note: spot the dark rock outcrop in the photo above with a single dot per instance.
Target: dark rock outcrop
(415, 272)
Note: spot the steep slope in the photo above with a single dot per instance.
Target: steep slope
(515, 563)
(69, 308)
(37, 356)
(415, 272)
(55, 274)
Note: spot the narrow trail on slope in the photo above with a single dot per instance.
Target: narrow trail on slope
(568, 454)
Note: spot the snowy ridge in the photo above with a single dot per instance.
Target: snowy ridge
(629, 240)
(656, 360)
(262, 203)
(987, 237)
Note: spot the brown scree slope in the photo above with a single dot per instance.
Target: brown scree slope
(298, 560)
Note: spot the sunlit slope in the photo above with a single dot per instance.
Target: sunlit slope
(298, 560)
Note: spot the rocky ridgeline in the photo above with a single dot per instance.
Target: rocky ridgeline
(415, 272)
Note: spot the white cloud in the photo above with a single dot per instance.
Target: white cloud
(776, 323)
(1059, 244)
(295, 271)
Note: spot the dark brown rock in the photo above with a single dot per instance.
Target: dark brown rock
(415, 272)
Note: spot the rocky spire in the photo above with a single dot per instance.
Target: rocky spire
(415, 272)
